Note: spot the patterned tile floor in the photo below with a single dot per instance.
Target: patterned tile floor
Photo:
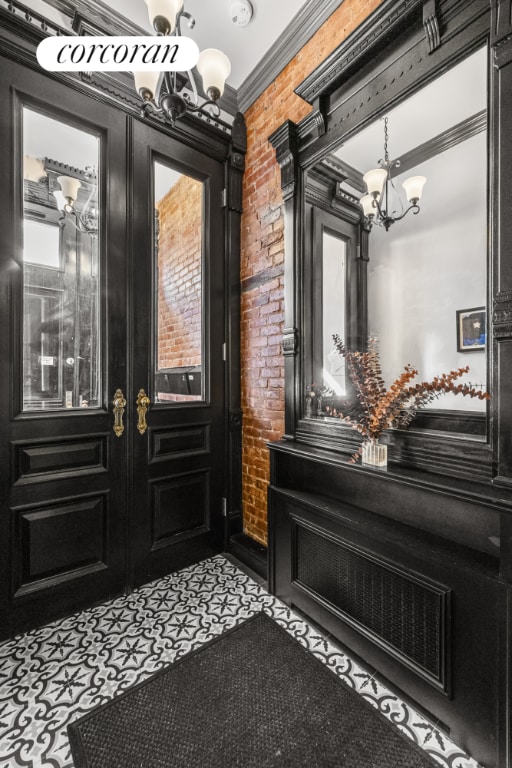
(54, 674)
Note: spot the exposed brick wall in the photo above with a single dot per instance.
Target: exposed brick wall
(263, 258)
(179, 267)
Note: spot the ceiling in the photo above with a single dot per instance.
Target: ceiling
(451, 98)
(244, 46)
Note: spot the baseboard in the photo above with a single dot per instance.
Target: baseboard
(250, 552)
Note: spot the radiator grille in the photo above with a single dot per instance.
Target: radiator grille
(392, 606)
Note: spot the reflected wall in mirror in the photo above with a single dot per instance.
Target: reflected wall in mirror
(333, 303)
(178, 253)
(428, 267)
(61, 319)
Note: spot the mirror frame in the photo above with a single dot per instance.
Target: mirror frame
(400, 48)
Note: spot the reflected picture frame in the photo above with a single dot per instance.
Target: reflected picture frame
(471, 329)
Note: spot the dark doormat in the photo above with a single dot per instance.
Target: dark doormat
(251, 698)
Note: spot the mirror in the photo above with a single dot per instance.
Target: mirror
(426, 276)
(179, 286)
(61, 221)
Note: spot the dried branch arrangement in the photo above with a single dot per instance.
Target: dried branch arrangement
(380, 407)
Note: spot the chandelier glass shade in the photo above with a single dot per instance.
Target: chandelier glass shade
(377, 203)
(172, 94)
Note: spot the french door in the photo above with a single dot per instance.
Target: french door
(112, 394)
(177, 337)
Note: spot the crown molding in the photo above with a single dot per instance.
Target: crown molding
(302, 27)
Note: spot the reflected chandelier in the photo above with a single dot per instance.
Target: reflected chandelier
(376, 203)
(165, 92)
(66, 197)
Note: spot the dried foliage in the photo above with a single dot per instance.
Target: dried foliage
(380, 407)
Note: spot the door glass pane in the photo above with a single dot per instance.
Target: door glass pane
(333, 304)
(60, 265)
(178, 254)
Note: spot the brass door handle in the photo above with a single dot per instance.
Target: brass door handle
(143, 403)
(119, 404)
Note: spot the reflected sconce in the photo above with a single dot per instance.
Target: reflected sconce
(174, 95)
(376, 203)
(66, 198)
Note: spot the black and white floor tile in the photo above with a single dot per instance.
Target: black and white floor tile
(54, 674)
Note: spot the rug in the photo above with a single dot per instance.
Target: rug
(251, 698)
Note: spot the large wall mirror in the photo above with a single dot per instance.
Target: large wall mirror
(425, 289)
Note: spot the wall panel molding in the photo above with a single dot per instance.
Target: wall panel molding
(58, 542)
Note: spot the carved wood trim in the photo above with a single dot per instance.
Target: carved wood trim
(431, 24)
(285, 141)
(501, 21)
(380, 26)
(290, 342)
(21, 13)
(502, 316)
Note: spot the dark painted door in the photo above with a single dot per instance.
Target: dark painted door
(63, 350)
(111, 289)
(177, 327)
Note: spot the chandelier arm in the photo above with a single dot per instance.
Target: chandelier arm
(194, 87)
(201, 108)
(413, 207)
(77, 221)
(168, 82)
(191, 22)
(381, 213)
(150, 106)
(94, 188)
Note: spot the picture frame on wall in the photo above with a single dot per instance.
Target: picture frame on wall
(471, 329)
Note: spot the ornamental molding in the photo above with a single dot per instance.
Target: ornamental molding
(290, 342)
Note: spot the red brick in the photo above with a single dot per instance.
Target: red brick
(262, 248)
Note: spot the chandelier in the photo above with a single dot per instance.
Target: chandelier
(168, 92)
(376, 203)
(66, 197)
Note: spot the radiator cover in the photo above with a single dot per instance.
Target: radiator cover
(402, 612)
